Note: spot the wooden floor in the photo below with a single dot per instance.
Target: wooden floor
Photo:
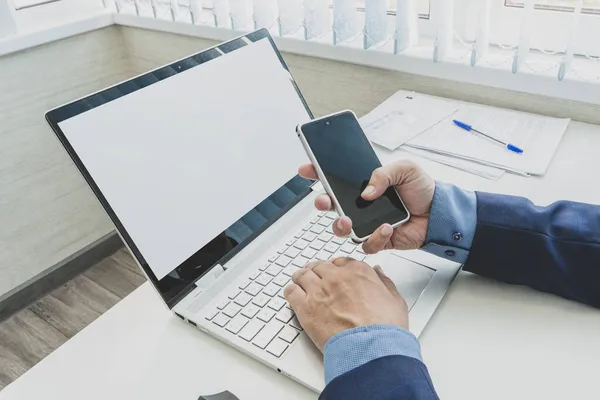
(36, 331)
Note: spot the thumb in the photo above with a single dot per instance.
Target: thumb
(387, 281)
(397, 173)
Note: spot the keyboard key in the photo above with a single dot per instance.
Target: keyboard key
(358, 256)
(267, 334)
(243, 299)
(244, 284)
(283, 260)
(325, 237)
(276, 303)
(309, 236)
(299, 234)
(280, 294)
(331, 215)
(314, 220)
(317, 245)
(348, 248)
(254, 275)
(300, 261)
(309, 253)
(282, 250)
(290, 242)
(294, 322)
(251, 329)
(220, 320)
(277, 347)
(264, 278)
(250, 310)
(289, 271)
(288, 334)
(234, 294)
(223, 304)
(323, 255)
(339, 254)
(292, 252)
(329, 229)
(261, 300)
(273, 258)
(339, 240)
(231, 310)
(273, 270)
(324, 221)
(285, 315)
(331, 247)
(301, 244)
(265, 314)
(307, 227)
(236, 324)
(212, 314)
(271, 289)
(281, 280)
(253, 289)
(321, 213)
(317, 229)
(266, 265)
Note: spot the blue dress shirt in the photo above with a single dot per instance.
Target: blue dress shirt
(450, 234)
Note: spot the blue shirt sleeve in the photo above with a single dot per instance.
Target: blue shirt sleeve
(450, 234)
(452, 223)
(354, 347)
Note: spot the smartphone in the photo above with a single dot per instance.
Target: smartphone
(345, 160)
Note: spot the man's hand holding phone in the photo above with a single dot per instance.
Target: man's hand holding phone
(416, 189)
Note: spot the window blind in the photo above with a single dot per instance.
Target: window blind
(345, 21)
(407, 32)
(523, 47)
(456, 31)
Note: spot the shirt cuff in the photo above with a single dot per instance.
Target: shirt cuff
(354, 347)
(452, 223)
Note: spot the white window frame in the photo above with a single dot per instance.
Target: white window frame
(549, 29)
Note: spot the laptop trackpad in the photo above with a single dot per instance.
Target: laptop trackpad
(410, 278)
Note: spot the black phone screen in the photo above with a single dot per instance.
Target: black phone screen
(347, 160)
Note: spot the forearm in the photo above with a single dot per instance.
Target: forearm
(554, 249)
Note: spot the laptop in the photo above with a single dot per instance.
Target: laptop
(195, 163)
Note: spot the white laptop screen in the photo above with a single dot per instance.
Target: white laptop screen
(185, 163)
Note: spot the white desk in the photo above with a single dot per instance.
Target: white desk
(486, 341)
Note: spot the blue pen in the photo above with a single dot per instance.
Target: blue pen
(469, 128)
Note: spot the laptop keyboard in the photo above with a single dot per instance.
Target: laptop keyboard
(256, 310)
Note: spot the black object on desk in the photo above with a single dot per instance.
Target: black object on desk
(226, 395)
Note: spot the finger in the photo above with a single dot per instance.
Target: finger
(308, 171)
(342, 261)
(342, 226)
(322, 268)
(294, 295)
(306, 279)
(323, 203)
(379, 239)
(389, 284)
(386, 176)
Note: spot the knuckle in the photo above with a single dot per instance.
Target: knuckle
(298, 274)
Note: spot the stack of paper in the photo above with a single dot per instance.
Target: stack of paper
(423, 125)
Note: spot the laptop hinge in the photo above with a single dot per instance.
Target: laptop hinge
(210, 277)
(317, 187)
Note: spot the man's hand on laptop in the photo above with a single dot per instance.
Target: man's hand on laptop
(330, 297)
(416, 189)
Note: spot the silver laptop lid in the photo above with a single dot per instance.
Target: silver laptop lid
(178, 157)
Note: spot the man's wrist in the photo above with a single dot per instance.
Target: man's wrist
(354, 347)
(452, 222)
